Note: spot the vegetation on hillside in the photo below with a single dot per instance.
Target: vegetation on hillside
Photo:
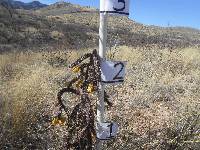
(79, 29)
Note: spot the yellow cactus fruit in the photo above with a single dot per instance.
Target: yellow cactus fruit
(90, 88)
(76, 69)
(61, 121)
(58, 121)
(93, 137)
(79, 83)
(54, 121)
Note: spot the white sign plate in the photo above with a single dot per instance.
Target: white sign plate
(115, 6)
(112, 72)
(106, 131)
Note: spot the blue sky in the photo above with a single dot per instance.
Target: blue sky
(155, 12)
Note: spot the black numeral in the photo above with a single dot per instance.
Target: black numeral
(120, 9)
(111, 129)
(117, 77)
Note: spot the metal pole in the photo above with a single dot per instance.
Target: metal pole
(102, 52)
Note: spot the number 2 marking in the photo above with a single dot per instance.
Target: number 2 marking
(120, 9)
(117, 77)
(111, 130)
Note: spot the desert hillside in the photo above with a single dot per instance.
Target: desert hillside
(76, 26)
(157, 107)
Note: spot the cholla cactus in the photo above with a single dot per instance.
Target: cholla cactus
(81, 128)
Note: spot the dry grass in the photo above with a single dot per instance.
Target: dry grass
(157, 107)
(160, 87)
(28, 90)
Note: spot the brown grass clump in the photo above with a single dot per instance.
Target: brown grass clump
(28, 91)
(56, 35)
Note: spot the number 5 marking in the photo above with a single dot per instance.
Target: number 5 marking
(120, 9)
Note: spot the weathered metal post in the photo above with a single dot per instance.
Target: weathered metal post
(102, 53)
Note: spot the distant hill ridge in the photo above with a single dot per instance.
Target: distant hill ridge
(22, 5)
